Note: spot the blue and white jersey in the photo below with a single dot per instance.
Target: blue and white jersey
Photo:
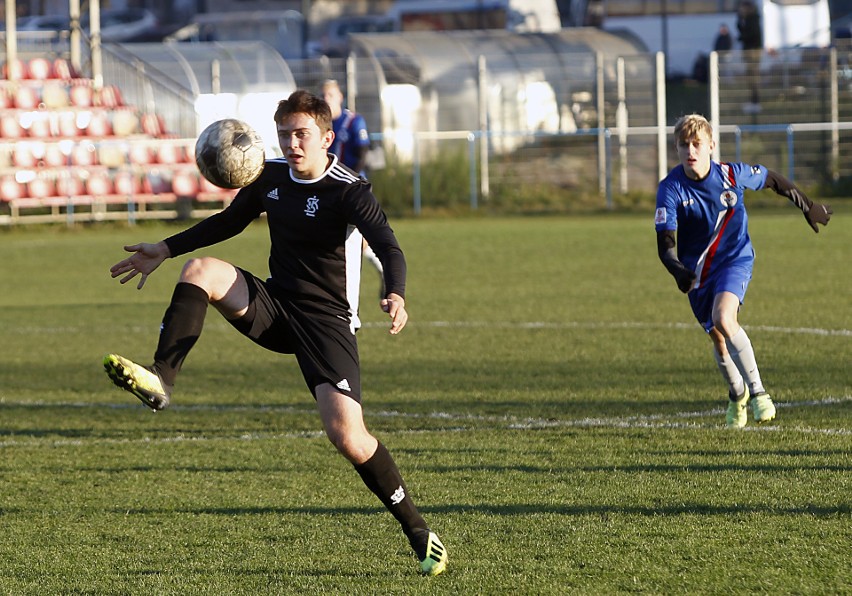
(709, 215)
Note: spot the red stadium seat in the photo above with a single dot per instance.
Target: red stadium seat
(62, 69)
(99, 184)
(127, 183)
(84, 153)
(99, 125)
(16, 70)
(69, 186)
(81, 96)
(66, 124)
(38, 124)
(40, 69)
(11, 189)
(41, 187)
(28, 154)
(10, 127)
(153, 125)
(54, 156)
(108, 97)
(141, 154)
(185, 183)
(26, 98)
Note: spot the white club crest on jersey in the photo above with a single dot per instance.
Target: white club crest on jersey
(312, 207)
(728, 198)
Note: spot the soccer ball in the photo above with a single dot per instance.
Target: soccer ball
(230, 154)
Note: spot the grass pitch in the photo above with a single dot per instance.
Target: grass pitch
(553, 406)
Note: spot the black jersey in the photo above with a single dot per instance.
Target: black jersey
(310, 222)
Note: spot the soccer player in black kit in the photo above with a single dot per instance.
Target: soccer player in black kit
(316, 209)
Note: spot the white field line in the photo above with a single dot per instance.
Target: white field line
(557, 325)
(667, 421)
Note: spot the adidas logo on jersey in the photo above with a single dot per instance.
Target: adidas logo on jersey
(344, 385)
(272, 194)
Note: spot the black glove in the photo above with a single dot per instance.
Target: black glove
(685, 279)
(818, 213)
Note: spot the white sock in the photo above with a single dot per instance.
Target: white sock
(739, 347)
(730, 373)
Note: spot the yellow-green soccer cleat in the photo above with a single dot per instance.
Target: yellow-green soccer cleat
(138, 380)
(431, 552)
(763, 408)
(737, 416)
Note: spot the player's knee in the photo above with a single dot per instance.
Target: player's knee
(350, 445)
(726, 324)
(195, 270)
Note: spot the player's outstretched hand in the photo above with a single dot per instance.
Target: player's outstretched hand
(145, 258)
(818, 214)
(685, 279)
(394, 305)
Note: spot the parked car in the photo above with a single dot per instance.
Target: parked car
(121, 25)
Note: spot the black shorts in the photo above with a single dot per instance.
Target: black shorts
(323, 343)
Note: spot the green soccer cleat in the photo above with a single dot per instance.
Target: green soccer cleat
(737, 416)
(763, 408)
(138, 380)
(430, 551)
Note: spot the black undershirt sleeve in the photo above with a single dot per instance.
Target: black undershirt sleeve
(784, 187)
(666, 244)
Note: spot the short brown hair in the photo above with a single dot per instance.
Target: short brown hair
(690, 126)
(304, 102)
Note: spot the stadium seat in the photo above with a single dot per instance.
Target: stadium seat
(108, 97)
(112, 155)
(127, 183)
(54, 157)
(124, 123)
(37, 124)
(153, 125)
(66, 124)
(15, 71)
(69, 185)
(62, 69)
(11, 189)
(157, 182)
(99, 125)
(41, 187)
(26, 154)
(141, 153)
(84, 153)
(185, 183)
(169, 153)
(10, 127)
(54, 95)
(81, 96)
(39, 69)
(99, 184)
(26, 98)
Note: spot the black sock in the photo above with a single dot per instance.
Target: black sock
(381, 476)
(180, 329)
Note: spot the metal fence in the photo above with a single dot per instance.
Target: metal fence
(791, 111)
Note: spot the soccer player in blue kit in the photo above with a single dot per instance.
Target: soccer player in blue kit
(703, 241)
(315, 207)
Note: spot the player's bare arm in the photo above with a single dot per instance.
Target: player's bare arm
(394, 305)
(144, 260)
(815, 213)
(668, 255)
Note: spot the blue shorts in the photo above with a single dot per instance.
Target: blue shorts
(734, 279)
